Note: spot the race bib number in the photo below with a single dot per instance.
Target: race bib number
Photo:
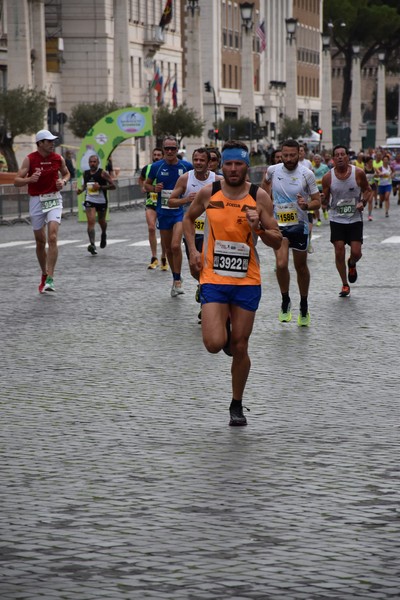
(346, 207)
(90, 189)
(50, 201)
(165, 194)
(199, 225)
(287, 216)
(152, 199)
(231, 259)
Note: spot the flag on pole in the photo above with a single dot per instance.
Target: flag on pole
(260, 31)
(160, 91)
(156, 78)
(166, 17)
(167, 82)
(175, 95)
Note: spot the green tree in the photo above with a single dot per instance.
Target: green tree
(180, 122)
(374, 24)
(294, 129)
(85, 114)
(22, 111)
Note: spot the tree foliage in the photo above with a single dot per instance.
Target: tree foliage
(180, 122)
(86, 114)
(373, 24)
(22, 111)
(294, 129)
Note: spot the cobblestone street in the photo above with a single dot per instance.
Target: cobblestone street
(120, 476)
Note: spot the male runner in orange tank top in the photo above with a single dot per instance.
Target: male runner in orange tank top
(236, 213)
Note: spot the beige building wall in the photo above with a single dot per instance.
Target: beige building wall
(91, 51)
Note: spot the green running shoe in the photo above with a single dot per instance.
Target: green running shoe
(49, 285)
(304, 321)
(285, 317)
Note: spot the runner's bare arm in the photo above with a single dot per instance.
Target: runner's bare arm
(111, 185)
(21, 178)
(149, 186)
(362, 181)
(265, 225)
(197, 207)
(65, 175)
(326, 189)
(175, 199)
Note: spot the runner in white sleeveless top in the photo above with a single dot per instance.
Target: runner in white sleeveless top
(290, 187)
(185, 191)
(347, 190)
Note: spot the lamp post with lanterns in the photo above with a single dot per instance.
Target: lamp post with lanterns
(355, 102)
(291, 69)
(247, 92)
(380, 133)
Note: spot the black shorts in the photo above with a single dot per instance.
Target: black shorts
(298, 240)
(346, 232)
(198, 242)
(99, 207)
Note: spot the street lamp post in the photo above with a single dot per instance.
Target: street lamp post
(380, 134)
(209, 88)
(247, 92)
(355, 104)
(326, 91)
(291, 69)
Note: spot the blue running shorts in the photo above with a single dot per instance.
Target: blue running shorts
(245, 296)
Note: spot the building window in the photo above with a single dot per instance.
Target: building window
(53, 56)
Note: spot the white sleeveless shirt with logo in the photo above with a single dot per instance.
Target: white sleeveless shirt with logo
(194, 185)
(346, 194)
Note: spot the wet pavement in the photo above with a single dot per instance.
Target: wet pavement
(120, 476)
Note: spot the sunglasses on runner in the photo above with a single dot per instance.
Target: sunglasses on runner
(172, 148)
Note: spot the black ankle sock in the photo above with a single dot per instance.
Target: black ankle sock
(285, 301)
(303, 305)
(235, 403)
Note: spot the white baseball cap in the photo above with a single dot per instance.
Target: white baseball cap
(44, 134)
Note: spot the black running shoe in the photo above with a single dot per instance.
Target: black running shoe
(92, 249)
(227, 347)
(237, 418)
(345, 291)
(103, 241)
(352, 274)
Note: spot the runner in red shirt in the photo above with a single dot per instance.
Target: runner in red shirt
(46, 174)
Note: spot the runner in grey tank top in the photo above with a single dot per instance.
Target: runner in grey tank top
(347, 189)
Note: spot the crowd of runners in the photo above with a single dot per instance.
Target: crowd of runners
(211, 206)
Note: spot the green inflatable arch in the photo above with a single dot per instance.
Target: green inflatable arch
(107, 134)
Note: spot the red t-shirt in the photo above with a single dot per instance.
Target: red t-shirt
(49, 167)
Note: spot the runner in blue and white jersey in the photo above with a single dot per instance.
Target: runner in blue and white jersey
(161, 179)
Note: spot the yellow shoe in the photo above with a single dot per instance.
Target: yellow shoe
(164, 265)
(153, 264)
(304, 321)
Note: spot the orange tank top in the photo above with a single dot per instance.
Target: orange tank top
(229, 248)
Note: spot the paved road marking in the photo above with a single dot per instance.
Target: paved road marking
(11, 244)
(60, 243)
(109, 243)
(144, 243)
(395, 239)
